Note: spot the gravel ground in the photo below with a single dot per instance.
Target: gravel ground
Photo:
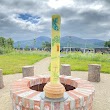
(102, 90)
(102, 94)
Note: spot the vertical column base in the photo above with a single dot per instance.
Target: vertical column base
(54, 90)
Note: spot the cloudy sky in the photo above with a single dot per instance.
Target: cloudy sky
(28, 19)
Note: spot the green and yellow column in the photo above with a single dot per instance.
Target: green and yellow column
(55, 49)
(54, 89)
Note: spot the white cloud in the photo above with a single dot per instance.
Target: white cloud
(82, 18)
(60, 3)
(23, 24)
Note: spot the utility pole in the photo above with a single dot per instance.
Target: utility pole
(70, 42)
(35, 43)
(85, 46)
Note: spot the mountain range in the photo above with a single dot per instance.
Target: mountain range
(66, 41)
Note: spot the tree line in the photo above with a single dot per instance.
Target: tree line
(6, 45)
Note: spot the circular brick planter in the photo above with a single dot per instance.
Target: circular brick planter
(25, 94)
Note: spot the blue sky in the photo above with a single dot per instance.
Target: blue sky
(29, 19)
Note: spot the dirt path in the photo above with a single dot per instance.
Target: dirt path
(42, 66)
(102, 95)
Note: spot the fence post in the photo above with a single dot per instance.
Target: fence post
(94, 72)
(28, 71)
(1, 79)
(65, 69)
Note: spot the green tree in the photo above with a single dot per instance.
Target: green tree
(107, 44)
(18, 45)
(46, 46)
(34, 42)
(9, 42)
(26, 48)
(6, 45)
(2, 42)
(6, 42)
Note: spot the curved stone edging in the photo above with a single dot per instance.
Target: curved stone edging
(23, 98)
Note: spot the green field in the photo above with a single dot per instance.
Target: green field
(79, 61)
(12, 63)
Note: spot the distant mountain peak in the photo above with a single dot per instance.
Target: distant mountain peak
(65, 41)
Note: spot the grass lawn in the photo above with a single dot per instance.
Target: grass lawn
(79, 61)
(12, 63)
